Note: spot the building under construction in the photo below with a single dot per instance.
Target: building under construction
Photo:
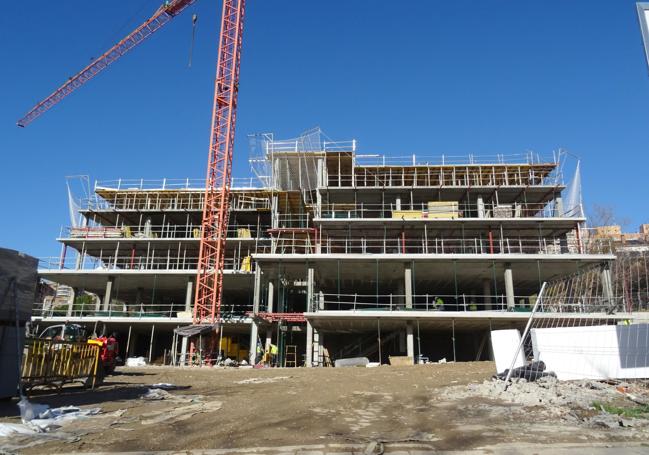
(331, 254)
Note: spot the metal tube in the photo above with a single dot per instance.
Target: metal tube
(128, 341)
(527, 329)
(151, 342)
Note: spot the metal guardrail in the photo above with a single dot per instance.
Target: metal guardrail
(172, 184)
(167, 262)
(423, 245)
(403, 177)
(167, 231)
(125, 309)
(453, 160)
(52, 363)
(468, 303)
(167, 201)
(443, 210)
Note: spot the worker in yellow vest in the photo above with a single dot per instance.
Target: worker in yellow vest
(273, 355)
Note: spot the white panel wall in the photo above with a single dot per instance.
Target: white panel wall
(504, 344)
(596, 352)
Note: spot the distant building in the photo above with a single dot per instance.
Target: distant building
(623, 240)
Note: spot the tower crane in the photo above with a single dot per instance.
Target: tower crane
(214, 224)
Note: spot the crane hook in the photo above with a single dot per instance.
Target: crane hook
(191, 47)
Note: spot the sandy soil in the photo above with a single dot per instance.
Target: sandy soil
(239, 408)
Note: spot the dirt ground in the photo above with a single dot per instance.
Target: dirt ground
(424, 405)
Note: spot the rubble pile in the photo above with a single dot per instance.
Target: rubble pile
(581, 402)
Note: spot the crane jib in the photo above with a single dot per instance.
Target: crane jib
(161, 17)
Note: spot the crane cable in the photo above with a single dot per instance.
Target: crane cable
(191, 47)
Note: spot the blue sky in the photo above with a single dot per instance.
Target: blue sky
(423, 76)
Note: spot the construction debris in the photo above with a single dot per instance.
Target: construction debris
(579, 402)
(263, 380)
(135, 362)
(352, 362)
(530, 372)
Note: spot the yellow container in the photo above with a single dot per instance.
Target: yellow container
(407, 214)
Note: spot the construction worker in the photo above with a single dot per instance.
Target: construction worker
(438, 304)
(273, 355)
(259, 353)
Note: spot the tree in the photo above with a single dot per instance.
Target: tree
(83, 303)
(604, 215)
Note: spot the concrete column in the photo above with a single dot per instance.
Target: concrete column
(75, 293)
(410, 342)
(309, 344)
(189, 294)
(407, 285)
(321, 339)
(252, 354)
(509, 287)
(397, 203)
(316, 348)
(107, 293)
(558, 205)
(309, 289)
(271, 296)
(256, 291)
(183, 351)
(480, 203)
(486, 292)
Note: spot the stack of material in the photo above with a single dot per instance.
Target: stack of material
(443, 209)
(503, 211)
(98, 232)
(17, 295)
(244, 233)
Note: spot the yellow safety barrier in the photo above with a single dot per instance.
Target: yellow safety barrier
(54, 363)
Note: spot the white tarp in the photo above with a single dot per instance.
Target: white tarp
(40, 418)
(135, 362)
(595, 352)
(504, 344)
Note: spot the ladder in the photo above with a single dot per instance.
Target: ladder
(290, 356)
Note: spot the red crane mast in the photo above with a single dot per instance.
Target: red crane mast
(214, 225)
(209, 286)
